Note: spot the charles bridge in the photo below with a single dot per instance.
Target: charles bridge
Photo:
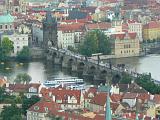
(85, 65)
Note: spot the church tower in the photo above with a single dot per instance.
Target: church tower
(49, 31)
(117, 21)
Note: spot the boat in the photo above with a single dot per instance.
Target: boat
(69, 80)
(63, 81)
(51, 84)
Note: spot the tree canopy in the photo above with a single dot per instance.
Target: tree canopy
(95, 42)
(23, 78)
(11, 113)
(24, 54)
(126, 79)
(6, 48)
(28, 102)
(145, 81)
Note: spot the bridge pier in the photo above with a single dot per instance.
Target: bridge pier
(57, 61)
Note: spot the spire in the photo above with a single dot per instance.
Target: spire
(137, 116)
(137, 109)
(117, 12)
(49, 17)
(108, 107)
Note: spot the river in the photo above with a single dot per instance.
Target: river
(38, 70)
(146, 64)
(42, 70)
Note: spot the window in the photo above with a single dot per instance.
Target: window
(0, 26)
(46, 109)
(5, 26)
(36, 108)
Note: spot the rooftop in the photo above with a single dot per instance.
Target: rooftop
(6, 18)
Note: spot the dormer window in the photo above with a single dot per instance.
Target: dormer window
(46, 109)
(36, 108)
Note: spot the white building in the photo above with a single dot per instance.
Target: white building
(130, 98)
(6, 22)
(19, 41)
(135, 27)
(69, 34)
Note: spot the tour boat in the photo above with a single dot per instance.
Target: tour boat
(64, 81)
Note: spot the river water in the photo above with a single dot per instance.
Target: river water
(146, 64)
(38, 70)
(42, 70)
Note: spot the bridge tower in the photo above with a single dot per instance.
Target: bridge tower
(49, 31)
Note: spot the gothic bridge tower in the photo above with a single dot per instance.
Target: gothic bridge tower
(49, 31)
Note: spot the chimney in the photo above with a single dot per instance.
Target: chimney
(54, 98)
(7, 85)
(50, 94)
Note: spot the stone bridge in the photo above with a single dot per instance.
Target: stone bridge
(85, 66)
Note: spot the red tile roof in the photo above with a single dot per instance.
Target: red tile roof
(143, 96)
(92, 90)
(116, 97)
(99, 99)
(71, 27)
(22, 87)
(105, 8)
(130, 95)
(101, 26)
(152, 24)
(121, 36)
(156, 99)
(62, 93)
(44, 104)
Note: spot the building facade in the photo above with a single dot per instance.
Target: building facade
(70, 34)
(151, 30)
(6, 22)
(125, 45)
(49, 31)
(135, 27)
(19, 41)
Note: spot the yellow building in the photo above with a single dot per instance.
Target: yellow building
(151, 30)
(125, 44)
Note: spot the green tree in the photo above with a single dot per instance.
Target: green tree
(2, 94)
(28, 102)
(24, 54)
(23, 78)
(6, 47)
(94, 42)
(126, 79)
(145, 81)
(11, 113)
(72, 49)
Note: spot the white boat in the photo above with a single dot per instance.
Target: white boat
(64, 81)
(68, 80)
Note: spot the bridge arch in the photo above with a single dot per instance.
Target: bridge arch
(116, 78)
(103, 72)
(54, 54)
(92, 70)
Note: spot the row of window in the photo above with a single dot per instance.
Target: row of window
(127, 51)
(6, 26)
